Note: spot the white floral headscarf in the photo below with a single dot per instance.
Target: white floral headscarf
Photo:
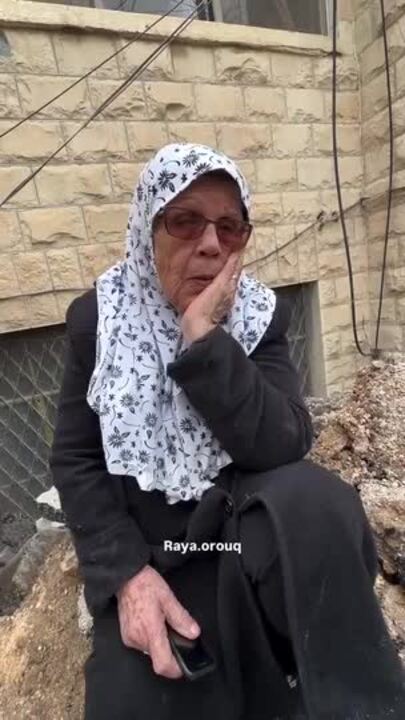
(149, 428)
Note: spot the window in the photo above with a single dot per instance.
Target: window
(311, 16)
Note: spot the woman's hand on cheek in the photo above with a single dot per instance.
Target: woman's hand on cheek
(215, 301)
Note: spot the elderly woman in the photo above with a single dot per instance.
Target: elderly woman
(180, 418)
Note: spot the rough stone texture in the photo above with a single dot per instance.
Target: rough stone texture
(264, 98)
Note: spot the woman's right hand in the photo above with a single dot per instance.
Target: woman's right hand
(145, 603)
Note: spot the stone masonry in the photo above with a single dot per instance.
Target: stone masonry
(262, 96)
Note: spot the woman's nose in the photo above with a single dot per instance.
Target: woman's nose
(209, 242)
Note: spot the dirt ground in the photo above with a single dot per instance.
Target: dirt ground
(41, 677)
(42, 650)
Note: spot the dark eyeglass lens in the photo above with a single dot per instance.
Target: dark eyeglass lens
(184, 224)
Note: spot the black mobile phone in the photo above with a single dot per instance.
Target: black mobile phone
(192, 655)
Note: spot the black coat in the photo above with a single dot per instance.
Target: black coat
(244, 400)
(309, 520)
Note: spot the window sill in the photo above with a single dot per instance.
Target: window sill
(46, 16)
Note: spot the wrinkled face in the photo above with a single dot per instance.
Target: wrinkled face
(181, 263)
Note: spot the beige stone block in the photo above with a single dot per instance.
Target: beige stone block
(391, 338)
(267, 273)
(266, 208)
(238, 140)
(372, 60)
(347, 73)
(315, 173)
(398, 219)
(65, 269)
(191, 132)
(33, 141)
(193, 63)
(347, 107)
(124, 178)
(348, 139)
(374, 96)
(350, 199)
(400, 77)
(401, 309)
(292, 70)
(347, 10)
(8, 277)
(399, 156)
(376, 164)
(94, 259)
(77, 53)
(305, 105)
(375, 131)
(360, 282)
(146, 138)
(301, 207)
(36, 91)
(327, 292)
(216, 102)
(332, 346)
(376, 253)
(287, 254)
(99, 141)
(53, 225)
(242, 66)
(292, 140)
(13, 315)
(395, 280)
(276, 174)
(265, 103)
(10, 177)
(73, 184)
(250, 254)
(330, 234)
(43, 310)
(265, 241)
(115, 251)
(398, 111)
(331, 262)
(170, 101)
(106, 223)
(388, 310)
(364, 30)
(248, 169)
(161, 68)
(338, 370)
(130, 104)
(10, 236)
(9, 103)
(32, 271)
(336, 316)
(30, 51)
(307, 257)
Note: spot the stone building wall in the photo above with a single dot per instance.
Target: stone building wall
(262, 96)
(375, 143)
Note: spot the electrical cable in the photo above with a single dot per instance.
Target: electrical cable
(338, 186)
(187, 21)
(137, 36)
(390, 180)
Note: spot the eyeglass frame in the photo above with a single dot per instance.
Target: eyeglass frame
(162, 214)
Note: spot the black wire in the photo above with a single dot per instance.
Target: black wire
(188, 20)
(390, 181)
(338, 187)
(137, 36)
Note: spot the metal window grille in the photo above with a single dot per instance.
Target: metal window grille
(296, 296)
(31, 370)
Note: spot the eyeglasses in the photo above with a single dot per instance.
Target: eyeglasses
(190, 225)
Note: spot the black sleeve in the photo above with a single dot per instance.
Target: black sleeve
(252, 404)
(109, 545)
